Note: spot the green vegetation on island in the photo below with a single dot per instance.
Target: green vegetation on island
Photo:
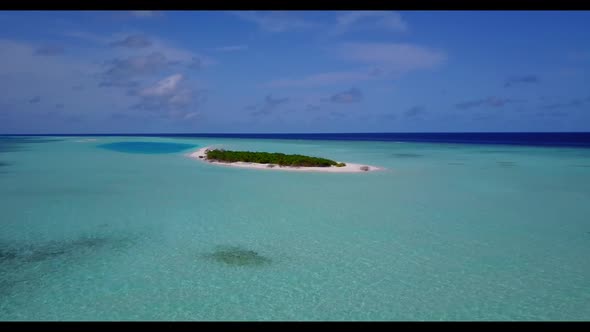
(281, 159)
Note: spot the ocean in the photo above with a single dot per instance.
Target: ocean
(462, 227)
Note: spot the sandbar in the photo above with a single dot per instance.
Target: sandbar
(200, 154)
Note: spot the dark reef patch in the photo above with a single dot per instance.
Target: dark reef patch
(237, 256)
(18, 262)
(3, 166)
(10, 147)
(28, 140)
(146, 147)
(15, 144)
(7, 254)
(56, 249)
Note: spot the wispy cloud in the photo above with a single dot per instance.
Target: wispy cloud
(180, 55)
(165, 87)
(195, 63)
(129, 43)
(414, 111)
(35, 100)
(191, 115)
(527, 79)
(125, 72)
(267, 106)
(397, 57)
(572, 103)
(282, 21)
(31, 79)
(49, 50)
(312, 107)
(487, 102)
(352, 95)
(321, 79)
(145, 13)
(379, 60)
(170, 94)
(275, 21)
(133, 41)
(386, 20)
(230, 48)
(88, 36)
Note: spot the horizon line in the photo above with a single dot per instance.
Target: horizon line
(313, 133)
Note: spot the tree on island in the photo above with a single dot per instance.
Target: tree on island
(281, 159)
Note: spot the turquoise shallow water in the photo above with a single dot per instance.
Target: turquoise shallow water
(447, 232)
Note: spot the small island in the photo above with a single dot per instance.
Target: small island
(281, 159)
(268, 160)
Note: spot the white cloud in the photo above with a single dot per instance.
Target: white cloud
(379, 60)
(387, 20)
(25, 73)
(352, 95)
(144, 13)
(190, 115)
(166, 87)
(171, 96)
(183, 97)
(133, 41)
(281, 21)
(398, 57)
(156, 45)
(275, 21)
(125, 72)
(182, 55)
(50, 80)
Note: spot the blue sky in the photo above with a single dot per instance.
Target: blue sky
(296, 71)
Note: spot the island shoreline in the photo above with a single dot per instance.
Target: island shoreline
(200, 154)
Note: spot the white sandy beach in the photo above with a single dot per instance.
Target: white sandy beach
(349, 168)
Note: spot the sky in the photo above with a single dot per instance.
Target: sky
(293, 71)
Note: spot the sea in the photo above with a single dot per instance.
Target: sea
(457, 227)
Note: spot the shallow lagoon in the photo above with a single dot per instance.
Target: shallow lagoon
(147, 147)
(447, 232)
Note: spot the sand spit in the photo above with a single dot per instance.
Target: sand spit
(349, 168)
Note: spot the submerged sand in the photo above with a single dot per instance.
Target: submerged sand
(349, 168)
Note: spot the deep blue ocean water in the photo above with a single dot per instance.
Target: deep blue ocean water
(573, 139)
